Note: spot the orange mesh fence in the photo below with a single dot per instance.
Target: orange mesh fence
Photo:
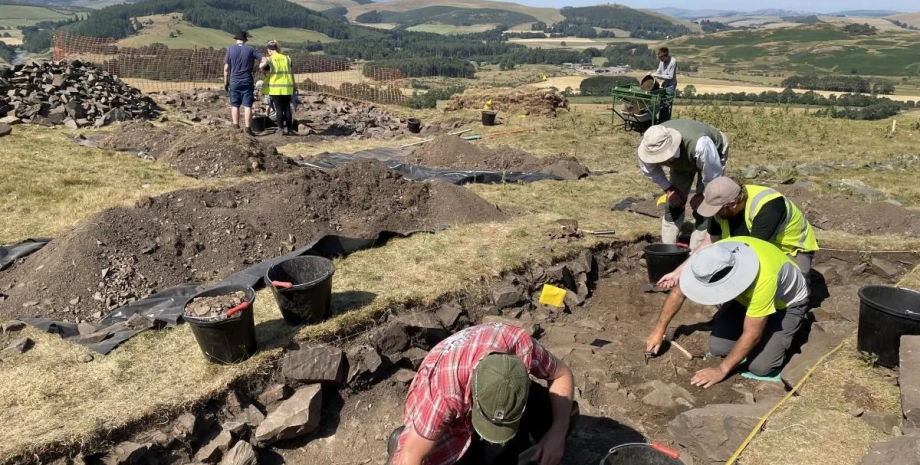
(158, 68)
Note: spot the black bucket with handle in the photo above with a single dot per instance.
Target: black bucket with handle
(488, 118)
(414, 125)
(885, 314)
(642, 454)
(303, 288)
(226, 339)
(661, 259)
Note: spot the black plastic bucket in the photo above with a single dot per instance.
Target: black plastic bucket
(230, 340)
(414, 125)
(661, 259)
(309, 297)
(885, 314)
(488, 118)
(642, 454)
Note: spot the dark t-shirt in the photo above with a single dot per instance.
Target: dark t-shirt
(765, 224)
(241, 59)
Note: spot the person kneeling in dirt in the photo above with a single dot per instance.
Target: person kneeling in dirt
(762, 299)
(690, 149)
(473, 402)
(756, 211)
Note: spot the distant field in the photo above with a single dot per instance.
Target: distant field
(880, 23)
(189, 36)
(547, 15)
(822, 49)
(447, 29)
(26, 15)
(912, 19)
(578, 44)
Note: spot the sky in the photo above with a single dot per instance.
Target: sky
(820, 6)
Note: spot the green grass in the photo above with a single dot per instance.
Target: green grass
(25, 15)
(819, 49)
(456, 16)
(193, 36)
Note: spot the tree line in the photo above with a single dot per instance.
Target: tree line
(227, 15)
(445, 15)
(839, 83)
(419, 67)
(640, 25)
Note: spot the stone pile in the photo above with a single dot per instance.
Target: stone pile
(69, 93)
(525, 100)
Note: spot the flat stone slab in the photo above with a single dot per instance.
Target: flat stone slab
(819, 343)
(910, 380)
(904, 450)
(715, 431)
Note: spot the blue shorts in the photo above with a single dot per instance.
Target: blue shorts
(241, 95)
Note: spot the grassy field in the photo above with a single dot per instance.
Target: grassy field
(823, 49)
(50, 400)
(27, 15)
(912, 19)
(189, 36)
(579, 44)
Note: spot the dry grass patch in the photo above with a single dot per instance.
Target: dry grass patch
(50, 183)
(818, 427)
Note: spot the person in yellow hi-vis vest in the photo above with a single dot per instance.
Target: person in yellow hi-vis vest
(755, 211)
(280, 86)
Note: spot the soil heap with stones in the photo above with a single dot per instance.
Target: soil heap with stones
(204, 235)
(454, 152)
(73, 93)
(319, 114)
(524, 100)
(200, 151)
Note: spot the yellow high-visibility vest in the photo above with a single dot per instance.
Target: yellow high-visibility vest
(280, 80)
(794, 234)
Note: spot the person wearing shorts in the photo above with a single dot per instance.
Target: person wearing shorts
(238, 81)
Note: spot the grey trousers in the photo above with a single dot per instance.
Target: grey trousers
(674, 217)
(804, 260)
(770, 353)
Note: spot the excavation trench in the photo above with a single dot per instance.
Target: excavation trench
(623, 398)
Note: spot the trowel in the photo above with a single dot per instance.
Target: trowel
(571, 225)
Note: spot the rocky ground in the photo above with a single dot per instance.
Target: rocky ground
(68, 93)
(336, 404)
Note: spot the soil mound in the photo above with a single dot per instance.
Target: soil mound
(203, 235)
(200, 152)
(454, 152)
(526, 100)
(842, 213)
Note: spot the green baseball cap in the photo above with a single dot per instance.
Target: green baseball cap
(500, 387)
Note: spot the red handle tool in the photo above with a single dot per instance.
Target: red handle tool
(237, 309)
(666, 450)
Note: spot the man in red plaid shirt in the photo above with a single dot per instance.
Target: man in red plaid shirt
(473, 402)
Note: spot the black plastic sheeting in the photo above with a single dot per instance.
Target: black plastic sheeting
(11, 253)
(166, 307)
(392, 158)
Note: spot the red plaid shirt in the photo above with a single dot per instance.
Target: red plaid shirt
(440, 398)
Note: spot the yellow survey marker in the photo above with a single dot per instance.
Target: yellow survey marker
(552, 296)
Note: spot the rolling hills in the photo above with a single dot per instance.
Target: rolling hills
(822, 48)
(546, 15)
(14, 14)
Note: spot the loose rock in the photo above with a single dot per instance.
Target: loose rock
(5, 129)
(903, 450)
(425, 328)
(883, 421)
(272, 396)
(297, 416)
(715, 431)
(390, 340)
(910, 380)
(15, 348)
(13, 326)
(314, 364)
(215, 449)
(185, 425)
(241, 454)
(364, 364)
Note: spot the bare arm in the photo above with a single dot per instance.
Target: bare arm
(561, 392)
(226, 73)
(672, 279)
(414, 449)
(672, 305)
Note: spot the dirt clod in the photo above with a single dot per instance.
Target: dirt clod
(204, 235)
(200, 152)
(209, 307)
(454, 152)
